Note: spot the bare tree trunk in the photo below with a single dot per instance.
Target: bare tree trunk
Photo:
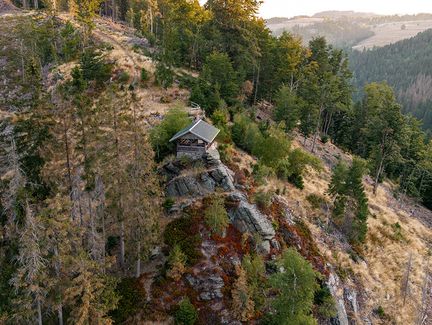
(378, 175)
(426, 294)
(317, 129)
(151, 21)
(22, 55)
(405, 280)
(60, 314)
(36, 4)
(112, 10)
(122, 244)
(57, 271)
(39, 311)
(138, 265)
(68, 162)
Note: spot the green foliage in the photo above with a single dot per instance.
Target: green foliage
(93, 67)
(220, 117)
(350, 210)
(132, 299)
(186, 313)
(325, 303)
(381, 313)
(263, 199)
(294, 167)
(219, 73)
(71, 42)
(123, 77)
(245, 133)
(315, 200)
(287, 108)
(404, 66)
(256, 278)
(274, 147)
(184, 233)
(206, 96)
(296, 286)
(176, 263)
(168, 203)
(164, 75)
(175, 120)
(144, 75)
(216, 217)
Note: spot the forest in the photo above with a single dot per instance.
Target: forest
(82, 192)
(405, 65)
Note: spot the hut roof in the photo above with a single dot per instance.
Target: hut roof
(201, 129)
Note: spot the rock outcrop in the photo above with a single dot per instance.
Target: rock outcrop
(203, 176)
(198, 177)
(247, 218)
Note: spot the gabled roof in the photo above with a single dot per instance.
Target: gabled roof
(201, 129)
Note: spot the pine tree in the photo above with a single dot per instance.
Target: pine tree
(176, 262)
(90, 295)
(216, 216)
(296, 285)
(350, 209)
(242, 303)
(31, 279)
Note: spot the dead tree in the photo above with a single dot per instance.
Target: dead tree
(405, 279)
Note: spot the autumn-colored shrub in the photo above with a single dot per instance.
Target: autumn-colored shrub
(176, 262)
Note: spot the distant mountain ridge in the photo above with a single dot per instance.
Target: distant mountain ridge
(350, 29)
(335, 14)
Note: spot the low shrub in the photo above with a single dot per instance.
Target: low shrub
(296, 180)
(144, 75)
(184, 233)
(263, 199)
(123, 77)
(325, 303)
(132, 299)
(186, 314)
(168, 203)
(216, 217)
(315, 200)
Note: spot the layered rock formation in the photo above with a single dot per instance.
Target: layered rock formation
(202, 177)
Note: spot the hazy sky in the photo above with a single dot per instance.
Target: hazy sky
(287, 8)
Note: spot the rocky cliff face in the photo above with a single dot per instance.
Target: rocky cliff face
(198, 177)
(203, 176)
(190, 182)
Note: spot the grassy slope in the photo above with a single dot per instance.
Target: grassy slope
(378, 276)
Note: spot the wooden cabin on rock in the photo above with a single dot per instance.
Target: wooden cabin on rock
(195, 140)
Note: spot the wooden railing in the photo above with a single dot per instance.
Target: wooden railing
(190, 149)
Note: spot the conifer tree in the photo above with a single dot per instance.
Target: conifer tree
(242, 303)
(176, 262)
(350, 209)
(216, 216)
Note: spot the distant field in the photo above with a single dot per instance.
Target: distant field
(385, 33)
(289, 24)
(392, 32)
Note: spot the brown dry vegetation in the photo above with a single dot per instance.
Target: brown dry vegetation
(378, 273)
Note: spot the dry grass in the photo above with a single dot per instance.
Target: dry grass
(378, 275)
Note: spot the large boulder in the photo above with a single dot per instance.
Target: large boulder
(247, 218)
(198, 177)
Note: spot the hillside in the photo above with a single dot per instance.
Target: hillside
(406, 67)
(349, 29)
(106, 217)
